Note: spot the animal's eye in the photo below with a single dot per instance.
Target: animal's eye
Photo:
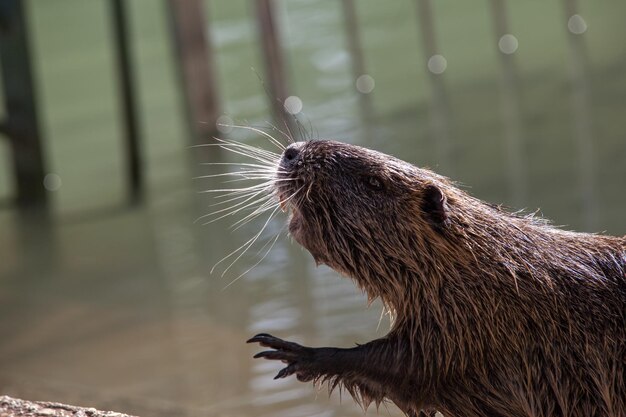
(374, 183)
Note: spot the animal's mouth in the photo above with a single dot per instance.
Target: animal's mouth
(287, 193)
(283, 200)
(288, 200)
(287, 176)
(284, 190)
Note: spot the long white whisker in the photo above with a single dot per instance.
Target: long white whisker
(251, 178)
(238, 142)
(247, 147)
(223, 143)
(239, 190)
(263, 166)
(241, 164)
(237, 210)
(243, 149)
(245, 246)
(239, 197)
(268, 205)
(234, 206)
(260, 260)
(292, 196)
(271, 216)
(260, 210)
(268, 160)
(261, 132)
(263, 208)
(240, 193)
(233, 252)
(249, 150)
(238, 173)
(263, 170)
(267, 185)
(232, 191)
(289, 138)
(246, 151)
(268, 168)
(267, 190)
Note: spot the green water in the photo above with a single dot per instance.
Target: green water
(115, 307)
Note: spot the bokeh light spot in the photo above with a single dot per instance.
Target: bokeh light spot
(365, 84)
(437, 64)
(224, 124)
(508, 44)
(577, 25)
(52, 182)
(293, 105)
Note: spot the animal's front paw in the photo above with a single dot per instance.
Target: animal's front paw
(300, 360)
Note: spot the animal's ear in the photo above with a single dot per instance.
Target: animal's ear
(435, 205)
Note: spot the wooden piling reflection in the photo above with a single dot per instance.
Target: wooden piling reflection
(128, 98)
(440, 115)
(511, 109)
(21, 125)
(194, 59)
(581, 116)
(275, 70)
(357, 62)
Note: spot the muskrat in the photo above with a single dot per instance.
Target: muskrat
(495, 313)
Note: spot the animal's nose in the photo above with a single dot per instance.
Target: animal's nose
(290, 155)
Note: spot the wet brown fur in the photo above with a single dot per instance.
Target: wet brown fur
(495, 314)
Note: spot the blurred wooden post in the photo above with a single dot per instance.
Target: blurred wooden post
(275, 73)
(581, 115)
(195, 64)
(511, 108)
(128, 98)
(356, 56)
(21, 125)
(440, 116)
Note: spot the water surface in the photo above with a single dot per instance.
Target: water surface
(110, 305)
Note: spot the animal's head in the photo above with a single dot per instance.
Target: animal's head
(359, 211)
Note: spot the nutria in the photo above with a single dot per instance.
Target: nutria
(495, 313)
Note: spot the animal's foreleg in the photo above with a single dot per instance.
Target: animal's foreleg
(370, 372)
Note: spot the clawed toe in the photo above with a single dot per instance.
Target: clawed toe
(260, 337)
(267, 340)
(298, 358)
(276, 355)
(285, 372)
